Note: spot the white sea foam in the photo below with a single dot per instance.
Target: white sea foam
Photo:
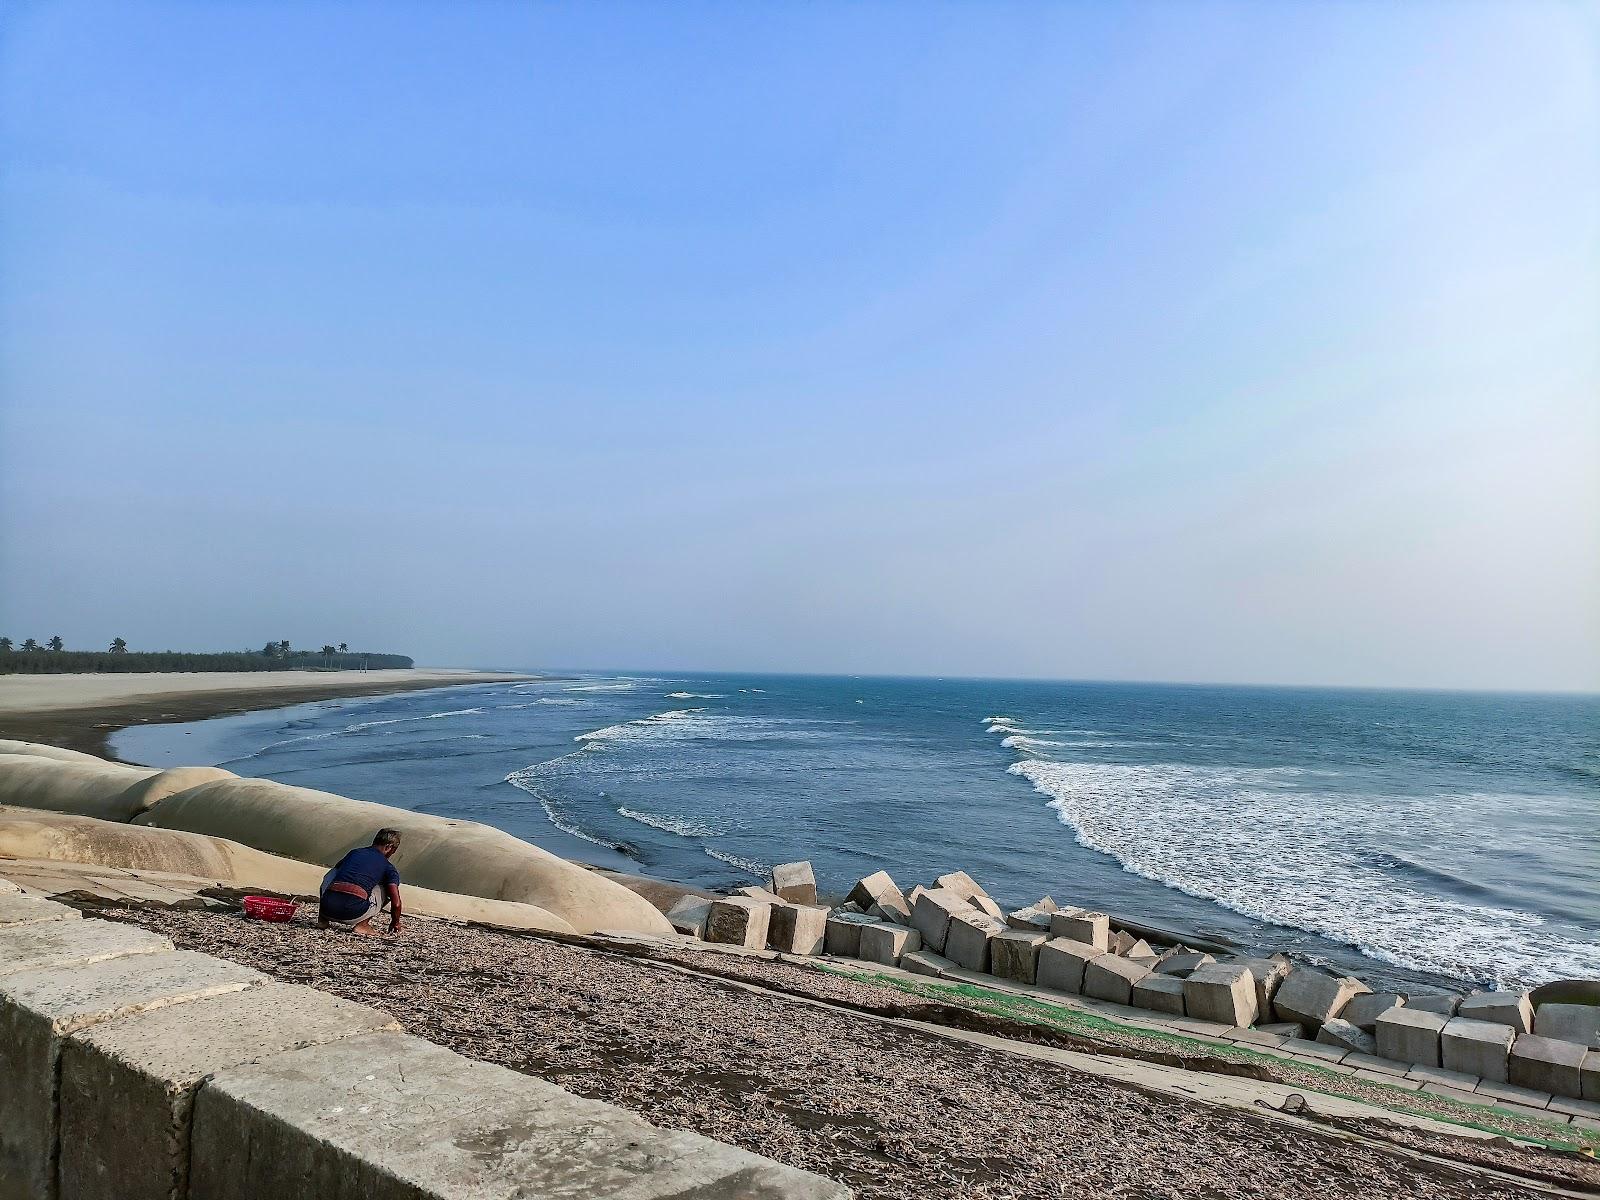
(1021, 741)
(694, 724)
(678, 825)
(1253, 841)
(695, 695)
(530, 780)
(760, 870)
(620, 686)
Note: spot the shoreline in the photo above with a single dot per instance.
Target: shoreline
(87, 723)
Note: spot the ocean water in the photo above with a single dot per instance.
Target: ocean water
(1406, 836)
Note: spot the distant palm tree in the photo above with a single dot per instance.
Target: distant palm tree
(283, 647)
(5, 645)
(57, 644)
(344, 648)
(118, 646)
(31, 644)
(327, 656)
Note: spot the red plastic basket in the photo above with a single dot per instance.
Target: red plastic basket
(267, 908)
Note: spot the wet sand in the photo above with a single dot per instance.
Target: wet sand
(81, 711)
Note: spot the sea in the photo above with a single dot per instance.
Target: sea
(1413, 838)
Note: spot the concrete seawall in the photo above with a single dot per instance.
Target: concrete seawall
(136, 1071)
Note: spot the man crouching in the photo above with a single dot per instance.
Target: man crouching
(361, 886)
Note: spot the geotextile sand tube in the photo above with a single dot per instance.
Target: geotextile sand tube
(86, 789)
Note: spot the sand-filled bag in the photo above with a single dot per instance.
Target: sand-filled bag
(93, 788)
(435, 852)
(40, 750)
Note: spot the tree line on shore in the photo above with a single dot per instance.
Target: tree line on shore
(53, 657)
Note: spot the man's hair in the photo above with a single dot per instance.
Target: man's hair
(386, 837)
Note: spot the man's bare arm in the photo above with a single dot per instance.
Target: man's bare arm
(394, 906)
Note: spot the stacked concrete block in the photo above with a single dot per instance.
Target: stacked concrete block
(738, 921)
(885, 942)
(1479, 1048)
(1120, 941)
(1031, 920)
(1364, 1010)
(926, 962)
(843, 934)
(1014, 954)
(41, 946)
(797, 928)
(1080, 925)
(1184, 963)
(1283, 1029)
(1569, 1023)
(1139, 949)
(1222, 992)
(988, 907)
(1502, 1008)
(795, 882)
(1269, 974)
(385, 1116)
(38, 1009)
(689, 916)
(1062, 962)
(17, 910)
(879, 889)
(1547, 1065)
(967, 939)
(1443, 1003)
(760, 894)
(1336, 1031)
(1159, 993)
(961, 884)
(128, 1086)
(1589, 1074)
(1310, 997)
(931, 916)
(1410, 1034)
(1111, 977)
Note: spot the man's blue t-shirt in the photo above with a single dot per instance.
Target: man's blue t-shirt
(366, 868)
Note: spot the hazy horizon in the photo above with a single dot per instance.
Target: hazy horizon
(1221, 343)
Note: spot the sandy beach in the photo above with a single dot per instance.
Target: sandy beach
(81, 711)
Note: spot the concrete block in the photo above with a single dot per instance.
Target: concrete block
(1569, 1023)
(1140, 949)
(1111, 978)
(1184, 964)
(689, 916)
(1045, 904)
(1478, 1048)
(7, 888)
(1410, 1035)
(879, 913)
(843, 934)
(17, 909)
(879, 889)
(1014, 954)
(1500, 1008)
(1222, 992)
(988, 908)
(73, 943)
(1589, 1072)
(795, 882)
(887, 943)
(1364, 1010)
(128, 1086)
(1078, 925)
(1285, 1029)
(386, 1116)
(966, 940)
(1443, 1003)
(1336, 1031)
(1268, 973)
(1120, 941)
(797, 928)
(759, 894)
(931, 916)
(1311, 997)
(1159, 993)
(1547, 1065)
(1061, 964)
(1031, 920)
(738, 921)
(961, 884)
(926, 962)
(40, 1008)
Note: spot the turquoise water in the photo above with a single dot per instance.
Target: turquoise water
(1405, 835)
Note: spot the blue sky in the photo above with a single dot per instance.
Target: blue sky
(1168, 341)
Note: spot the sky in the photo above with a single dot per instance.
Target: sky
(1193, 342)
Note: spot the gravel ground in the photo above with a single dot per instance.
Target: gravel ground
(894, 1114)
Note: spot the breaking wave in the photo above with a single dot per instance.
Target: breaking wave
(678, 825)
